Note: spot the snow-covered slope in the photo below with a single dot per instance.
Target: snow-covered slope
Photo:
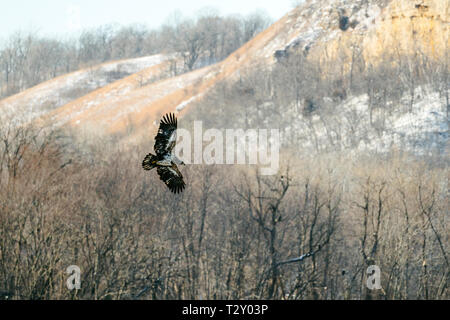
(36, 101)
(347, 126)
(139, 106)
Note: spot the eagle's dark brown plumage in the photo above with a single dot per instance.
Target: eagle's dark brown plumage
(165, 161)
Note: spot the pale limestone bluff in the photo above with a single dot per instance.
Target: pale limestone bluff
(376, 29)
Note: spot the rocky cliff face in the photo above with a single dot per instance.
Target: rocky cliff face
(336, 30)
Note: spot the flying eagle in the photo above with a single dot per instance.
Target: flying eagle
(165, 162)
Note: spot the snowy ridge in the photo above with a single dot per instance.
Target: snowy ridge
(49, 95)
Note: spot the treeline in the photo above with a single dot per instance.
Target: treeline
(309, 232)
(28, 59)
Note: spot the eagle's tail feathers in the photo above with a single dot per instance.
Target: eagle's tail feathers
(149, 162)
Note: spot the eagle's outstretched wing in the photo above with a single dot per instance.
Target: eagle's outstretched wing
(172, 178)
(167, 135)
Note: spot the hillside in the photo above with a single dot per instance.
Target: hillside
(326, 31)
(50, 95)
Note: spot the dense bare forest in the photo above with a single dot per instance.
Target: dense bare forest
(231, 234)
(308, 232)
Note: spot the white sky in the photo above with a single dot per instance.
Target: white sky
(66, 17)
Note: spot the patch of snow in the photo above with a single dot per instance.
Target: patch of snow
(34, 102)
(184, 104)
(347, 126)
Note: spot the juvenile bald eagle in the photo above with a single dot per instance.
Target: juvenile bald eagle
(165, 162)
